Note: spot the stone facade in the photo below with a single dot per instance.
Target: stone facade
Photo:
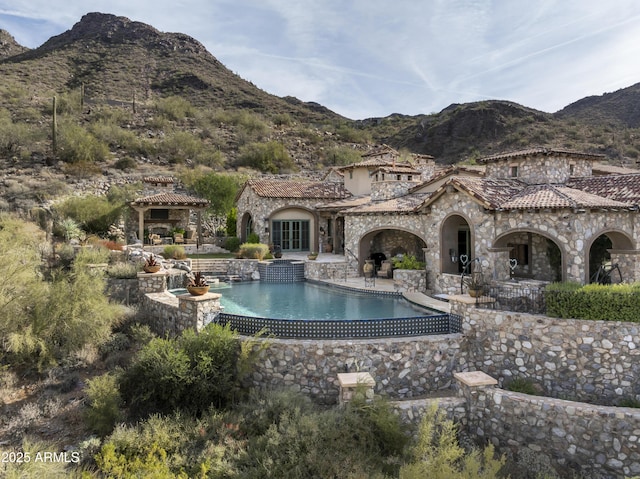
(169, 315)
(535, 169)
(409, 280)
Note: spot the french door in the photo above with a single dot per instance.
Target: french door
(291, 235)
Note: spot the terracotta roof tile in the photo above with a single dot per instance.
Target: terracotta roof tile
(542, 152)
(401, 168)
(625, 188)
(344, 203)
(298, 189)
(554, 196)
(404, 204)
(159, 179)
(170, 199)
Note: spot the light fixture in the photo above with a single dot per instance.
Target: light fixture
(453, 255)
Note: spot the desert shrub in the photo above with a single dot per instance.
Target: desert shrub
(282, 119)
(175, 107)
(94, 214)
(189, 373)
(125, 163)
(174, 251)
(92, 255)
(522, 385)
(437, 453)
(232, 244)
(104, 403)
(77, 145)
(289, 437)
(270, 157)
(353, 135)
(341, 156)
(115, 136)
(253, 250)
(219, 188)
(180, 146)
(124, 270)
(615, 302)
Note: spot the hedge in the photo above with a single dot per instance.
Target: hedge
(617, 302)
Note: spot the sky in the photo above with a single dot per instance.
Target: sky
(372, 58)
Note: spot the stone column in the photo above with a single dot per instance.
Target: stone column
(197, 311)
(499, 259)
(352, 383)
(473, 387)
(627, 261)
(152, 282)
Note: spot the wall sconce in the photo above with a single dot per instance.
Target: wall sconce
(266, 229)
(453, 255)
(321, 230)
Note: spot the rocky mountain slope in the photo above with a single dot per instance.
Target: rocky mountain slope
(116, 60)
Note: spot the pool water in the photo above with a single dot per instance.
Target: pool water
(303, 300)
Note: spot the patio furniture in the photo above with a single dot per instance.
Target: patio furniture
(155, 239)
(386, 269)
(178, 238)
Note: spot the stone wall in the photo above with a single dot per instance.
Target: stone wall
(591, 361)
(169, 315)
(335, 270)
(538, 170)
(581, 439)
(387, 189)
(409, 280)
(123, 290)
(402, 367)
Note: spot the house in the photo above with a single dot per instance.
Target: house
(539, 214)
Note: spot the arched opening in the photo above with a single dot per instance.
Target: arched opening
(533, 255)
(456, 244)
(381, 245)
(599, 258)
(246, 227)
(294, 229)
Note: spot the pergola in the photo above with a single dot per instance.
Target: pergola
(168, 201)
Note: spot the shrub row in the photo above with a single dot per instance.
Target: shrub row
(619, 302)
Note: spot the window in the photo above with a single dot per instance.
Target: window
(351, 174)
(410, 178)
(572, 169)
(291, 235)
(398, 177)
(513, 171)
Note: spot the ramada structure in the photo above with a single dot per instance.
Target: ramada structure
(538, 214)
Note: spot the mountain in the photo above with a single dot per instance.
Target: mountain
(8, 45)
(620, 108)
(116, 58)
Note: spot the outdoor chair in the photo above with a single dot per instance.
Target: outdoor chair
(386, 270)
(155, 239)
(178, 238)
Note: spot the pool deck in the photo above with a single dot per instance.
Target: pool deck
(380, 284)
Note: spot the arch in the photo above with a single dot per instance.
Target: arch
(598, 249)
(294, 228)
(539, 255)
(457, 238)
(380, 243)
(246, 227)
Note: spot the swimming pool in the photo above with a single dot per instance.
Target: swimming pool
(312, 310)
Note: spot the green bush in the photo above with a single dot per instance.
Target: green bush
(253, 238)
(253, 250)
(190, 373)
(522, 385)
(407, 262)
(104, 404)
(124, 270)
(617, 302)
(175, 107)
(232, 244)
(94, 214)
(174, 251)
(92, 255)
(77, 145)
(270, 157)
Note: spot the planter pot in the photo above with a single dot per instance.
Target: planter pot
(198, 290)
(474, 293)
(152, 269)
(328, 248)
(312, 256)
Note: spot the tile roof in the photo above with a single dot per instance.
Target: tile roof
(403, 204)
(542, 152)
(158, 179)
(605, 169)
(381, 150)
(170, 199)
(625, 188)
(398, 169)
(298, 189)
(344, 203)
(512, 194)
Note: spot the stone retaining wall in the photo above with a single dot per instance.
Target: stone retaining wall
(409, 280)
(401, 367)
(591, 361)
(590, 441)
